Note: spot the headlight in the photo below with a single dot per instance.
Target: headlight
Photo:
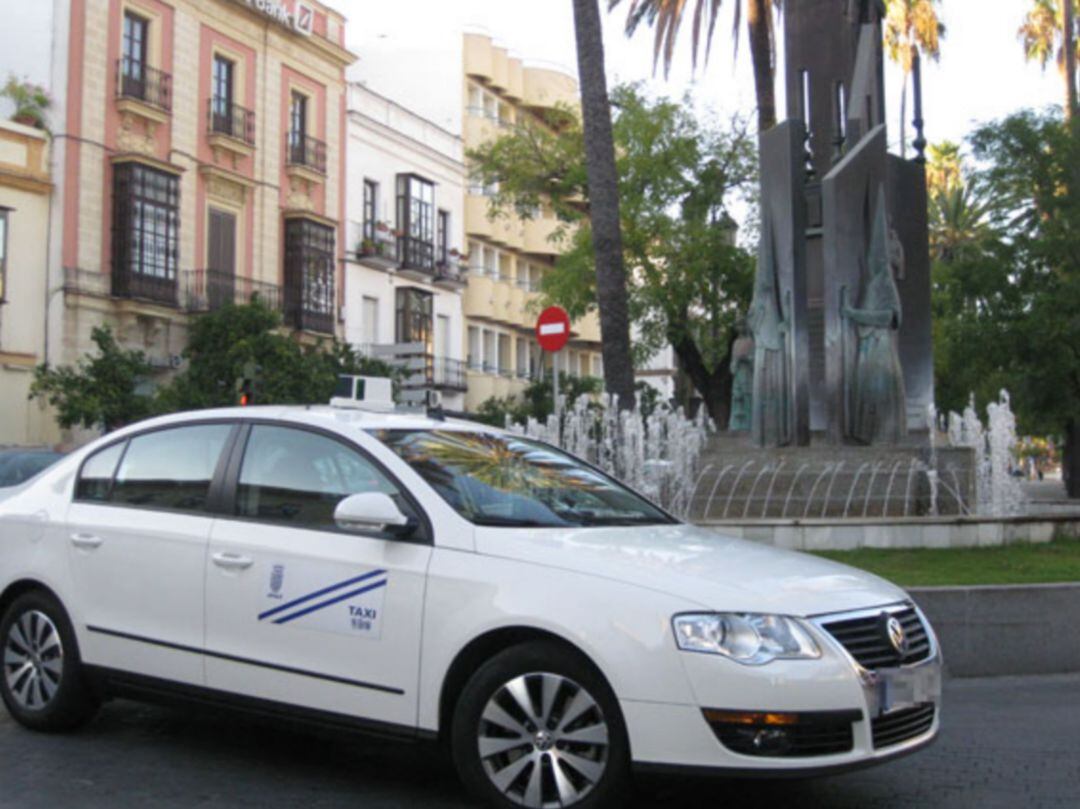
(745, 638)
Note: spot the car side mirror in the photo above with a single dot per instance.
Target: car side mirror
(370, 511)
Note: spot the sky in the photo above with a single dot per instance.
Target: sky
(982, 74)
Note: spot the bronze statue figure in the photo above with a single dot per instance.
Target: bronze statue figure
(878, 406)
(770, 421)
(742, 379)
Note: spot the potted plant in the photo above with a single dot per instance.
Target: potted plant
(367, 247)
(31, 102)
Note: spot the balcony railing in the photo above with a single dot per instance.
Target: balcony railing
(305, 151)
(415, 254)
(138, 81)
(450, 271)
(231, 120)
(210, 290)
(139, 286)
(380, 246)
(449, 374)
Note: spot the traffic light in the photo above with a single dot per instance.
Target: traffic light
(247, 386)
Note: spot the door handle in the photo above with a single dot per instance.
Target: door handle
(87, 541)
(232, 561)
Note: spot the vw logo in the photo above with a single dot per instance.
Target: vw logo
(897, 637)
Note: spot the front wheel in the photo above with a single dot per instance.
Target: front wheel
(41, 677)
(536, 726)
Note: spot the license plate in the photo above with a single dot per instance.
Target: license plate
(898, 689)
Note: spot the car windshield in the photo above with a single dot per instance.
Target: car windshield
(509, 481)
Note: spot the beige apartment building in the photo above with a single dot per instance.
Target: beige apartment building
(508, 256)
(25, 194)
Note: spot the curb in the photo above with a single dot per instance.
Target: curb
(993, 631)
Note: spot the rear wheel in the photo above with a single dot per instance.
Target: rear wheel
(41, 678)
(536, 726)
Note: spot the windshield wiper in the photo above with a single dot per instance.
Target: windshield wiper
(512, 522)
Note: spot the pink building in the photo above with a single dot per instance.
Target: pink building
(198, 160)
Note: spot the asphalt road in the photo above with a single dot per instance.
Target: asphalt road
(1009, 742)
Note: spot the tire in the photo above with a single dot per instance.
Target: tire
(538, 726)
(41, 677)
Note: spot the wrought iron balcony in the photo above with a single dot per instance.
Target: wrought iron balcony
(210, 290)
(141, 286)
(138, 81)
(306, 152)
(448, 374)
(450, 272)
(231, 120)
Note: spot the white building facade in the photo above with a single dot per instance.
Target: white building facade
(404, 258)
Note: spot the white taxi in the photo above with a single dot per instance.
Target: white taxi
(434, 579)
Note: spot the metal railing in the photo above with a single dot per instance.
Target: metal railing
(448, 373)
(139, 286)
(210, 290)
(450, 271)
(138, 81)
(231, 120)
(306, 151)
(381, 246)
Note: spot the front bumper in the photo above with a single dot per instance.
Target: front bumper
(888, 711)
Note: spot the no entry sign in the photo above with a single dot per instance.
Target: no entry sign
(553, 328)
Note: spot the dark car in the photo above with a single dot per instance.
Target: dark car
(19, 465)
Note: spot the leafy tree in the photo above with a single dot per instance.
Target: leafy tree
(226, 344)
(604, 203)
(1006, 303)
(666, 17)
(679, 179)
(104, 391)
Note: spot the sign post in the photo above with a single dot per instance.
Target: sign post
(552, 333)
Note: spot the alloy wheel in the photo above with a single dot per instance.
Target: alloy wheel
(33, 660)
(543, 741)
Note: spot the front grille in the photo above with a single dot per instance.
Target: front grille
(867, 638)
(811, 734)
(900, 726)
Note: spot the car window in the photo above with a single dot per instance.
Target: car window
(97, 473)
(299, 477)
(18, 467)
(510, 481)
(170, 469)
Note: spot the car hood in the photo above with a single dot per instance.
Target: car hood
(706, 568)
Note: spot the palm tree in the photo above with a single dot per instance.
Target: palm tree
(943, 167)
(666, 16)
(1048, 33)
(912, 28)
(611, 293)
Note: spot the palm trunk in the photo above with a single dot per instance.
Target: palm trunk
(759, 30)
(1069, 47)
(604, 204)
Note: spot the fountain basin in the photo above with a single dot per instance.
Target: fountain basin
(900, 532)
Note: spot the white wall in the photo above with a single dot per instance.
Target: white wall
(384, 140)
(415, 55)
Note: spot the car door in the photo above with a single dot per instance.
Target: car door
(303, 613)
(138, 529)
